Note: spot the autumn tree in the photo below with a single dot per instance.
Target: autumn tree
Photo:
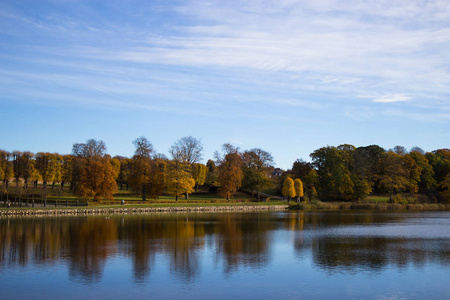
(17, 165)
(96, 180)
(288, 190)
(146, 173)
(6, 169)
(199, 172)
(257, 164)
(400, 173)
(28, 167)
(229, 170)
(298, 186)
(93, 174)
(46, 165)
(184, 152)
(427, 180)
(440, 161)
(179, 179)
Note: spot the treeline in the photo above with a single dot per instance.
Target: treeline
(335, 173)
(349, 173)
(92, 174)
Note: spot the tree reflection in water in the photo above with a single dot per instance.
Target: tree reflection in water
(239, 240)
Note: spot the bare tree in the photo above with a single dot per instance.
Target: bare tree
(187, 149)
(144, 148)
(92, 148)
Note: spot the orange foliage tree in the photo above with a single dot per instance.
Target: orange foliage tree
(230, 171)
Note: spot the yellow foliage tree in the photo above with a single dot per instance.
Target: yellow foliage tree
(199, 173)
(288, 188)
(298, 186)
(179, 180)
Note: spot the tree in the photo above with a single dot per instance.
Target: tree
(288, 188)
(257, 164)
(333, 167)
(211, 174)
(7, 169)
(96, 179)
(229, 171)
(400, 173)
(93, 175)
(124, 171)
(301, 168)
(46, 165)
(178, 179)
(445, 187)
(67, 169)
(187, 149)
(400, 150)
(28, 167)
(92, 148)
(16, 155)
(440, 161)
(367, 168)
(199, 174)
(311, 180)
(144, 148)
(298, 186)
(427, 180)
(146, 173)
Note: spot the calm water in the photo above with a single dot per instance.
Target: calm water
(277, 255)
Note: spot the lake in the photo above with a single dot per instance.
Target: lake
(261, 255)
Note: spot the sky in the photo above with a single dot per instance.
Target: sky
(285, 76)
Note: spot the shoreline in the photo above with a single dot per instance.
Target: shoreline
(134, 210)
(369, 206)
(15, 212)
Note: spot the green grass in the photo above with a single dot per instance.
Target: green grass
(376, 199)
(201, 198)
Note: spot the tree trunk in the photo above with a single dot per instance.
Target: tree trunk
(176, 198)
(187, 196)
(144, 193)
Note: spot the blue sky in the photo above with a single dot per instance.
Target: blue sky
(286, 76)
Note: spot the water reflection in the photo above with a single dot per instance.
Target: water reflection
(334, 242)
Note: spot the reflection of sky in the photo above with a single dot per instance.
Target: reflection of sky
(299, 264)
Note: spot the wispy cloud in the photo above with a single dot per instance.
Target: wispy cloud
(392, 98)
